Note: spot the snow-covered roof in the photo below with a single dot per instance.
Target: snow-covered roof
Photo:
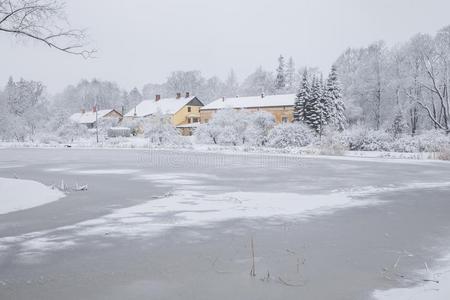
(89, 116)
(253, 101)
(164, 106)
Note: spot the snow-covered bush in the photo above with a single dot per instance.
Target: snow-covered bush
(290, 135)
(363, 139)
(444, 153)
(433, 141)
(71, 131)
(332, 142)
(160, 131)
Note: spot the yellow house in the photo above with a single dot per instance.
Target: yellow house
(280, 106)
(184, 112)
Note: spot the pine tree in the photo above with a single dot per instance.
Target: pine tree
(333, 100)
(313, 107)
(280, 80)
(303, 95)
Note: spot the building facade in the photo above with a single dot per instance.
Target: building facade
(280, 106)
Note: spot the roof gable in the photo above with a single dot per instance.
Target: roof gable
(89, 116)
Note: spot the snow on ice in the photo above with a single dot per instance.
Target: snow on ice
(19, 194)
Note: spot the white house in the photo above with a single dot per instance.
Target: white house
(89, 118)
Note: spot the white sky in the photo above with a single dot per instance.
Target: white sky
(141, 41)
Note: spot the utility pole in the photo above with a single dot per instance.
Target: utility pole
(96, 118)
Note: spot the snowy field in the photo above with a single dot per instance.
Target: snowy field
(161, 223)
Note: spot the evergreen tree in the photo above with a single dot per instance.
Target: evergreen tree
(313, 107)
(303, 95)
(333, 101)
(280, 80)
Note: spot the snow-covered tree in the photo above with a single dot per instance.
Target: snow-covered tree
(290, 75)
(231, 85)
(235, 127)
(314, 115)
(88, 93)
(259, 125)
(399, 125)
(131, 99)
(303, 95)
(258, 82)
(335, 108)
(24, 103)
(160, 131)
(290, 135)
(280, 79)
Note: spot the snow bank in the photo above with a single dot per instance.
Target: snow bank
(19, 194)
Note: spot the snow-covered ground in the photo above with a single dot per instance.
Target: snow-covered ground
(19, 194)
(143, 143)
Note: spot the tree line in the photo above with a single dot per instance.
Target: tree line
(405, 84)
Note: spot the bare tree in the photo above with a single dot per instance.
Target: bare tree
(43, 21)
(435, 58)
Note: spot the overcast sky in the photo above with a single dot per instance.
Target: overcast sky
(141, 41)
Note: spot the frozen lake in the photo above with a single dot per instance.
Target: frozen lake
(179, 225)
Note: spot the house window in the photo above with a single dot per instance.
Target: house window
(189, 109)
(194, 120)
(284, 119)
(206, 120)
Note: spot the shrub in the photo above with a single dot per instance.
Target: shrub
(367, 140)
(290, 135)
(444, 153)
(332, 143)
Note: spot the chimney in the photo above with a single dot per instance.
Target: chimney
(187, 94)
(178, 95)
(262, 95)
(157, 97)
(83, 110)
(94, 108)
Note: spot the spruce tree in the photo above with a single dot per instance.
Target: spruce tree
(333, 100)
(313, 109)
(303, 95)
(280, 80)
